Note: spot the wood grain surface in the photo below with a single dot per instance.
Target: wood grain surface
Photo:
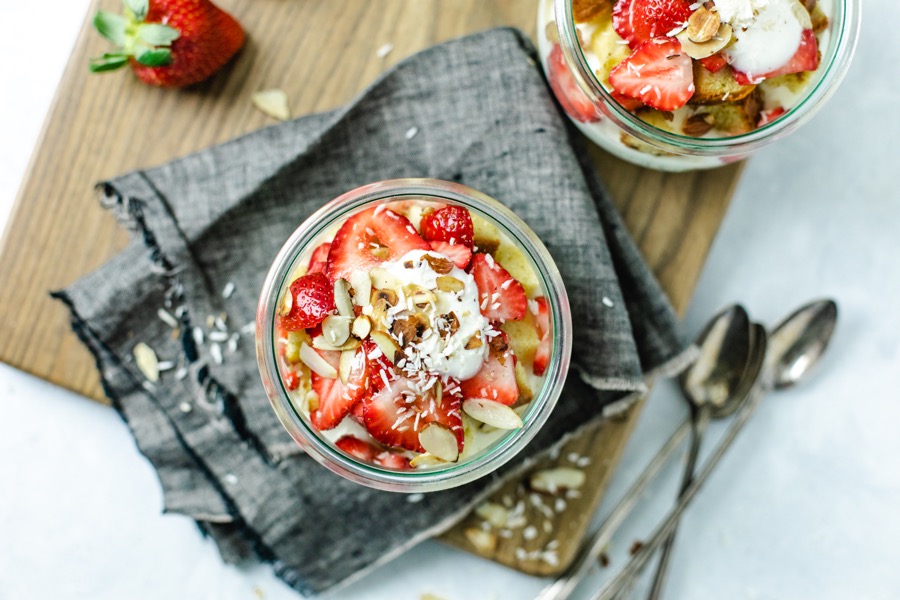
(321, 54)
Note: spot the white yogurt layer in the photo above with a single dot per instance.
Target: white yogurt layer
(441, 354)
(766, 33)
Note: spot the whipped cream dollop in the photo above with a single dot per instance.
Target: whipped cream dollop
(767, 33)
(439, 351)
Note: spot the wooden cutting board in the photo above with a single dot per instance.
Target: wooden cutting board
(322, 54)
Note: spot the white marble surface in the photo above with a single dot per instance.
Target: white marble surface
(805, 507)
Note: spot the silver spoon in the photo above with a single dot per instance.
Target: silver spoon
(703, 406)
(796, 345)
(724, 356)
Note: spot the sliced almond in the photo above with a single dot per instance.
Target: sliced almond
(474, 342)
(342, 299)
(385, 343)
(146, 361)
(286, 304)
(802, 13)
(439, 441)
(273, 103)
(698, 124)
(316, 363)
(383, 280)
(438, 264)
(425, 460)
(362, 288)
(483, 541)
(320, 343)
(552, 481)
(492, 413)
(445, 283)
(361, 326)
(423, 298)
(336, 329)
(346, 364)
(719, 40)
(493, 513)
(702, 25)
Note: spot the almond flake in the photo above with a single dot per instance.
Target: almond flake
(273, 103)
(316, 363)
(492, 413)
(493, 513)
(483, 541)
(440, 442)
(342, 299)
(553, 480)
(146, 361)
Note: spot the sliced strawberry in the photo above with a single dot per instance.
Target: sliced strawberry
(371, 453)
(626, 102)
(573, 100)
(392, 460)
(658, 73)
(638, 21)
(313, 300)
(806, 58)
(767, 116)
(396, 414)
(379, 368)
(369, 238)
(451, 224)
(319, 259)
(542, 354)
(291, 380)
(459, 254)
(714, 63)
(356, 412)
(501, 297)
(357, 448)
(497, 378)
(336, 398)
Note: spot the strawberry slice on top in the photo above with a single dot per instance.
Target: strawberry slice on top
(369, 238)
(497, 378)
(658, 74)
(638, 21)
(452, 224)
(319, 258)
(336, 398)
(396, 414)
(500, 296)
(312, 299)
(571, 97)
(806, 58)
(459, 254)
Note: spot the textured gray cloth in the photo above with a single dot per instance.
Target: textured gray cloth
(485, 118)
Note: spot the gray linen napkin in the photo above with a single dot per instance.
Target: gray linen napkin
(206, 227)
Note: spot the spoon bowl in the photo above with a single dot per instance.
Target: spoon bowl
(797, 342)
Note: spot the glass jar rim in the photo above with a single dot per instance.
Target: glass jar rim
(501, 450)
(840, 53)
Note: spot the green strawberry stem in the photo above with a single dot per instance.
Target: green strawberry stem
(147, 43)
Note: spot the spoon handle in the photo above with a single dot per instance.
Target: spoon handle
(634, 566)
(700, 421)
(593, 546)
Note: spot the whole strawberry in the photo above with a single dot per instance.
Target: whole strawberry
(169, 43)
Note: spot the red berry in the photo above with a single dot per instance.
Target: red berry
(336, 398)
(573, 100)
(199, 39)
(638, 21)
(767, 116)
(658, 74)
(370, 237)
(542, 355)
(396, 414)
(319, 258)
(312, 301)
(501, 297)
(459, 254)
(452, 224)
(497, 378)
(291, 381)
(714, 63)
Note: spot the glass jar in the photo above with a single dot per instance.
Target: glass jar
(625, 135)
(316, 229)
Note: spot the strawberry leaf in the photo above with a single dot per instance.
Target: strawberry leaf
(111, 26)
(138, 8)
(108, 62)
(157, 34)
(155, 58)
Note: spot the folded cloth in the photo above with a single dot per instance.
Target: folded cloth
(206, 228)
